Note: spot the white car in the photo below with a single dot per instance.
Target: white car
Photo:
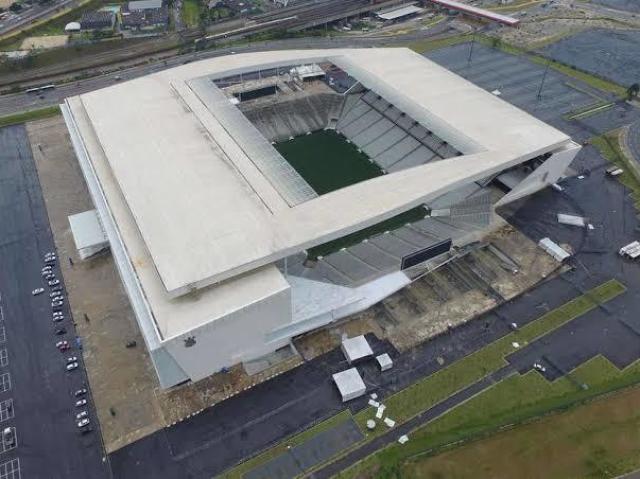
(83, 422)
(81, 415)
(72, 359)
(71, 367)
(37, 291)
(54, 282)
(81, 402)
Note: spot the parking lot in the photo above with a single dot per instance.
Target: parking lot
(545, 93)
(37, 399)
(610, 54)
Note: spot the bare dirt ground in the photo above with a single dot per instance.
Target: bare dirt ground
(49, 41)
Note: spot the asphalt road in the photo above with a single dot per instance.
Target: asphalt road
(16, 102)
(36, 12)
(49, 445)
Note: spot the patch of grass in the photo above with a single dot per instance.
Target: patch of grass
(515, 400)
(427, 45)
(239, 471)
(191, 13)
(424, 394)
(32, 115)
(609, 147)
(578, 443)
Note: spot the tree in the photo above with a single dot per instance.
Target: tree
(633, 91)
(15, 7)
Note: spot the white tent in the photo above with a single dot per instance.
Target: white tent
(350, 384)
(88, 234)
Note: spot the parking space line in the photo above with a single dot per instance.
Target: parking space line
(10, 469)
(5, 382)
(4, 357)
(6, 409)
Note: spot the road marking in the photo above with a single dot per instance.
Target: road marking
(6, 409)
(5, 382)
(4, 357)
(1, 314)
(10, 469)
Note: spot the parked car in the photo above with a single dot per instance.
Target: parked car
(81, 402)
(37, 291)
(56, 304)
(56, 288)
(8, 437)
(47, 268)
(83, 422)
(80, 392)
(72, 359)
(62, 345)
(57, 319)
(59, 331)
(54, 282)
(50, 276)
(55, 294)
(72, 366)
(86, 430)
(82, 414)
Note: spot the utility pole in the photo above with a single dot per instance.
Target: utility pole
(473, 42)
(544, 77)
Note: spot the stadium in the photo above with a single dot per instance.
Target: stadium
(251, 198)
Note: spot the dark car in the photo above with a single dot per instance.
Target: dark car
(59, 331)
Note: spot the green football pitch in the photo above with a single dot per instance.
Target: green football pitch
(328, 162)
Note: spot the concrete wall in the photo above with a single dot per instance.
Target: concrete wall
(549, 172)
(239, 336)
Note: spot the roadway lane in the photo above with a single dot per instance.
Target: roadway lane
(17, 102)
(49, 445)
(37, 12)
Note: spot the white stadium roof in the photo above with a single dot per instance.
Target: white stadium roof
(193, 208)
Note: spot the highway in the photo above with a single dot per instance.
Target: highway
(17, 102)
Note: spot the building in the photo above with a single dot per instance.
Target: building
(227, 251)
(477, 12)
(98, 20)
(144, 15)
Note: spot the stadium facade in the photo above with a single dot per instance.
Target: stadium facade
(225, 249)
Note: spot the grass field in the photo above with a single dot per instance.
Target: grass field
(594, 440)
(328, 162)
(512, 401)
